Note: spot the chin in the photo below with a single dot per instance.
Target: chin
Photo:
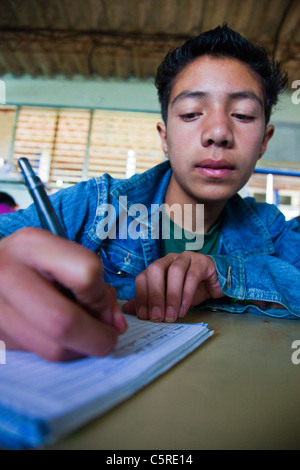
(215, 195)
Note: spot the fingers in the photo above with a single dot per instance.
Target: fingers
(74, 267)
(69, 264)
(177, 304)
(150, 290)
(50, 324)
(159, 289)
(18, 334)
(169, 286)
(150, 296)
(41, 318)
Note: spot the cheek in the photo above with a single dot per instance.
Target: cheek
(180, 143)
(250, 144)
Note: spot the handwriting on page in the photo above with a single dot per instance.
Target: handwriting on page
(145, 338)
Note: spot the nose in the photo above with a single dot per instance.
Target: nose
(217, 130)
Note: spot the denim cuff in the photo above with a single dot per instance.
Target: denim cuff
(260, 278)
(231, 275)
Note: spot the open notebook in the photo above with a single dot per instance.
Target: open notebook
(42, 401)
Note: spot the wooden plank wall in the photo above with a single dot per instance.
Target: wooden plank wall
(64, 135)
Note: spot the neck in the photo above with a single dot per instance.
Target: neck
(212, 209)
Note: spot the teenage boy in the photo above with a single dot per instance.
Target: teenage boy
(216, 92)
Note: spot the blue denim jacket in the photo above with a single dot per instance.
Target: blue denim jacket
(258, 257)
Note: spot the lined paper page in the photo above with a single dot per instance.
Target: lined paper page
(65, 395)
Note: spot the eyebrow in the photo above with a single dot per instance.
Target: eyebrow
(238, 95)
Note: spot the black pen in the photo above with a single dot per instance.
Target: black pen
(48, 218)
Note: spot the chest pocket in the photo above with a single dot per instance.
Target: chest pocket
(120, 268)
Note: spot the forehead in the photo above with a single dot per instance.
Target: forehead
(217, 75)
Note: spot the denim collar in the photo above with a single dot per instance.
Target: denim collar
(148, 188)
(241, 223)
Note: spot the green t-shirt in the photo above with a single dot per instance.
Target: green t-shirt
(176, 239)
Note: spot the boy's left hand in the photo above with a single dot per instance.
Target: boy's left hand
(172, 284)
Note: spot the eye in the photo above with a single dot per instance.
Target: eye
(243, 117)
(189, 116)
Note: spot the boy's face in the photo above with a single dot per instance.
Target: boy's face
(215, 131)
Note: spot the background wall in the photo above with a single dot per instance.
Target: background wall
(112, 94)
(109, 94)
(141, 95)
(137, 95)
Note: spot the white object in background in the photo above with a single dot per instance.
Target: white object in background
(5, 169)
(270, 189)
(44, 167)
(2, 92)
(131, 163)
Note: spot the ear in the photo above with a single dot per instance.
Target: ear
(268, 134)
(162, 131)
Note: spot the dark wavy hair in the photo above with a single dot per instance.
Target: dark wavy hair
(222, 42)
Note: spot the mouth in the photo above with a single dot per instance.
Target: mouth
(215, 168)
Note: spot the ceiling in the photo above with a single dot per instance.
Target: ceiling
(129, 38)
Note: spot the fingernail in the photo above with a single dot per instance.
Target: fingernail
(155, 313)
(169, 314)
(142, 313)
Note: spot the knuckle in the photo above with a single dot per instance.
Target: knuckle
(192, 276)
(140, 278)
(192, 280)
(90, 269)
(154, 269)
(176, 267)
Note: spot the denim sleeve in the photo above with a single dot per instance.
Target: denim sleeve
(13, 221)
(75, 208)
(263, 276)
(260, 278)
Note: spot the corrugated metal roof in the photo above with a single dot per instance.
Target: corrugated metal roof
(128, 38)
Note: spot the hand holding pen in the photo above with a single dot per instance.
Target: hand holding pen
(35, 315)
